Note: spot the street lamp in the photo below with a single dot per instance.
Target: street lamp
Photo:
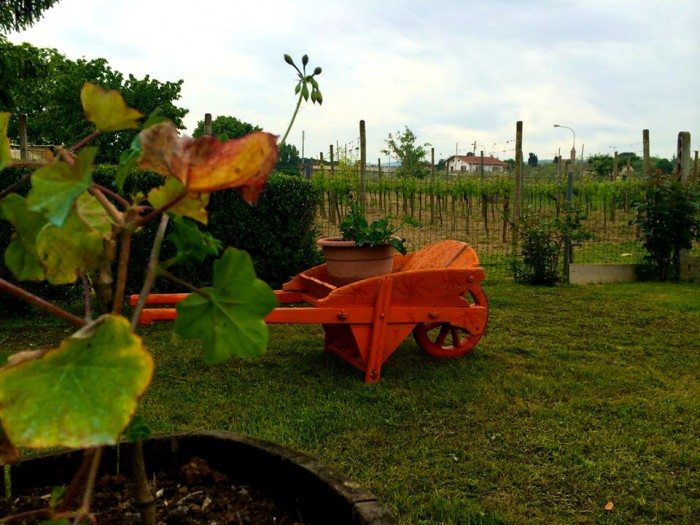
(573, 149)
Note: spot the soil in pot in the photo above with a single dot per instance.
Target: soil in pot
(193, 494)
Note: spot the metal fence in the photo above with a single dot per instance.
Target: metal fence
(477, 209)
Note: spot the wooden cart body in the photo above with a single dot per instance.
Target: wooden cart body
(435, 293)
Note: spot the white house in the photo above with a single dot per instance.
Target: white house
(473, 163)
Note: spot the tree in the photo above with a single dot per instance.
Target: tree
(20, 14)
(225, 125)
(441, 165)
(602, 165)
(664, 165)
(403, 148)
(45, 85)
(288, 161)
(532, 160)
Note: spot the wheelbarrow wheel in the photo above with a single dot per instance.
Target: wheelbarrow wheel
(445, 340)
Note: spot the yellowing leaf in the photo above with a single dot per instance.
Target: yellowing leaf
(194, 205)
(78, 244)
(107, 109)
(81, 394)
(208, 164)
(5, 157)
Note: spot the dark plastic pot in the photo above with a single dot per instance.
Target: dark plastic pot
(295, 481)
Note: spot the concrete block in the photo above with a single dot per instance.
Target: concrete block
(601, 273)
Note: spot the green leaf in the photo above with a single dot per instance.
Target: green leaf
(21, 256)
(81, 394)
(127, 162)
(107, 109)
(137, 429)
(5, 157)
(191, 242)
(56, 186)
(305, 91)
(76, 245)
(230, 321)
(194, 205)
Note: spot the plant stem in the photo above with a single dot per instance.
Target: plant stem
(87, 495)
(151, 272)
(83, 141)
(76, 482)
(143, 498)
(41, 303)
(174, 278)
(108, 206)
(21, 183)
(122, 270)
(158, 211)
(121, 200)
(294, 116)
(86, 296)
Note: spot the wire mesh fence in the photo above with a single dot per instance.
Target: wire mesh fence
(476, 208)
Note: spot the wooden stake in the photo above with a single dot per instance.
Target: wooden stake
(683, 156)
(518, 183)
(207, 124)
(646, 166)
(23, 149)
(363, 167)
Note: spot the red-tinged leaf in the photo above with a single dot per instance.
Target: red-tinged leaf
(208, 164)
(107, 109)
(163, 151)
(243, 162)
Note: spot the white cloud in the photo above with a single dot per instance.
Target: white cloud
(453, 71)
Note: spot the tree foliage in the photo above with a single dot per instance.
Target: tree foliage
(532, 160)
(45, 85)
(403, 148)
(669, 219)
(20, 14)
(289, 161)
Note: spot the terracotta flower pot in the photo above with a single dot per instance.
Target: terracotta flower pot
(346, 262)
(295, 481)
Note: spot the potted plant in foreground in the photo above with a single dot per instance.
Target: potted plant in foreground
(83, 394)
(364, 249)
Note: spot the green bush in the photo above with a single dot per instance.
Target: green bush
(541, 244)
(278, 232)
(669, 221)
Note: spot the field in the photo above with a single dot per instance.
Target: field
(478, 210)
(575, 397)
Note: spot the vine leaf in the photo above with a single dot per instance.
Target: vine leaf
(78, 244)
(194, 205)
(56, 186)
(81, 394)
(190, 242)
(5, 156)
(208, 164)
(230, 319)
(107, 109)
(21, 256)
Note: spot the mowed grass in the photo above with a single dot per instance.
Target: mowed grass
(575, 397)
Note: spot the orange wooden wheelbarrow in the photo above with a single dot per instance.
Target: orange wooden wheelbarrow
(435, 293)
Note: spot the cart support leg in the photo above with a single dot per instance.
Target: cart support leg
(375, 356)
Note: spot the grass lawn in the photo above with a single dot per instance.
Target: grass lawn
(575, 397)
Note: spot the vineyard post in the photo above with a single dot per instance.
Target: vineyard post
(695, 166)
(646, 166)
(518, 182)
(332, 197)
(683, 156)
(363, 167)
(614, 172)
(568, 249)
(432, 185)
(22, 124)
(379, 168)
(207, 124)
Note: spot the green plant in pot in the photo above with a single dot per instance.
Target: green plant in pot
(84, 393)
(365, 249)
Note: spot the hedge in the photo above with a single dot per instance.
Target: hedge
(278, 231)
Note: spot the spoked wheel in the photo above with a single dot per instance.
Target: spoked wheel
(446, 340)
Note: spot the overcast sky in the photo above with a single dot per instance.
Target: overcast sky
(455, 72)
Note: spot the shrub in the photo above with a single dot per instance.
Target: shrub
(669, 222)
(541, 243)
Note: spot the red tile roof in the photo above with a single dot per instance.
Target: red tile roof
(476, 159)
